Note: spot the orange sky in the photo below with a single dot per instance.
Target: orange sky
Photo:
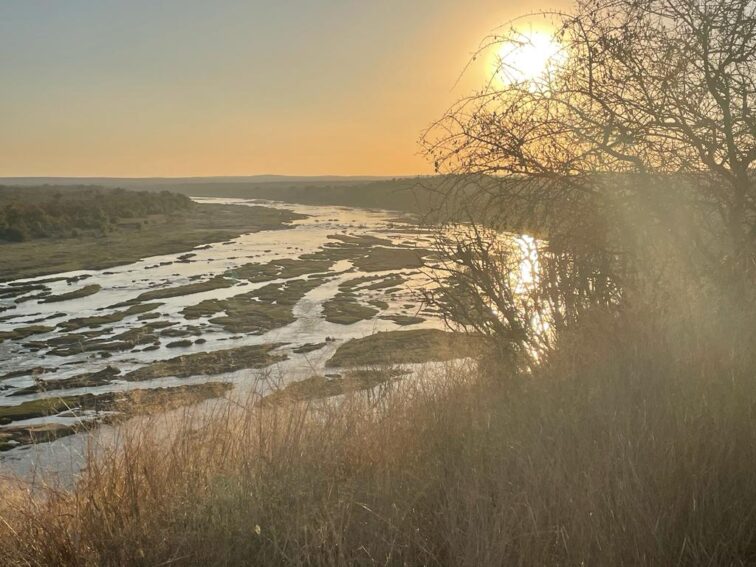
(188, 87)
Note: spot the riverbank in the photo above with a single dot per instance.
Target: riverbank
(138, 238)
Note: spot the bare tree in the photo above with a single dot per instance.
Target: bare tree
(643, 131)
(644, 87)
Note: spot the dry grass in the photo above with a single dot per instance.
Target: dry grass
(633, 445)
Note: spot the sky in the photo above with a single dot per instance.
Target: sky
(171, 88)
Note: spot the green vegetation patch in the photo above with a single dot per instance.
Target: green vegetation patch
(368, 257)
(218, 282)
(36, 371)
(13, 291)
(77, 343)
(317, 387)
(257, 311)
(115, 317)
(379, 259)
(44, 281)
(26, 298)
(285, 268)
(344, 309)
(405, 347)
(23, 332)
(86, 380)
(209, 363)
(36, 408)
(46, 318)
(67, 339)
(286, 293)
(403, 320)
(390, 281)
(247, 315)
(11, 438)
(188, 331)
(75, 294)
(308, 347)
(362, 240)
(373, 282)
(119, 405)
(337, 251)
(143, 333)
(148, 316)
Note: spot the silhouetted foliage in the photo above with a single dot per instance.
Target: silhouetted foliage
(633, 154)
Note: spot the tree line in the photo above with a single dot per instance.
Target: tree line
(28, 213)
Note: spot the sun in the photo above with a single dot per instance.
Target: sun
(528, 57)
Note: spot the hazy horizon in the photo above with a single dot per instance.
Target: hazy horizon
(186, 89)
(242, 176)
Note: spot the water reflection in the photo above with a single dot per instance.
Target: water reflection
(497, 278)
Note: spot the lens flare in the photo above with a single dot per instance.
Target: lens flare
(528, 57)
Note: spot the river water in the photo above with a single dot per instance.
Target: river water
(124, 283)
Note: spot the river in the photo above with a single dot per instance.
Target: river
(122, 284)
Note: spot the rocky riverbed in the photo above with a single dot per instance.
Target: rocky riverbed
(302, 300)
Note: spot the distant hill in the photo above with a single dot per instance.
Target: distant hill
(128, 182)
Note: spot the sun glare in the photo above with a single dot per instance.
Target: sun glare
(528, 57)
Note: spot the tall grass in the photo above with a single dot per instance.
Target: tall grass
(634, 444)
